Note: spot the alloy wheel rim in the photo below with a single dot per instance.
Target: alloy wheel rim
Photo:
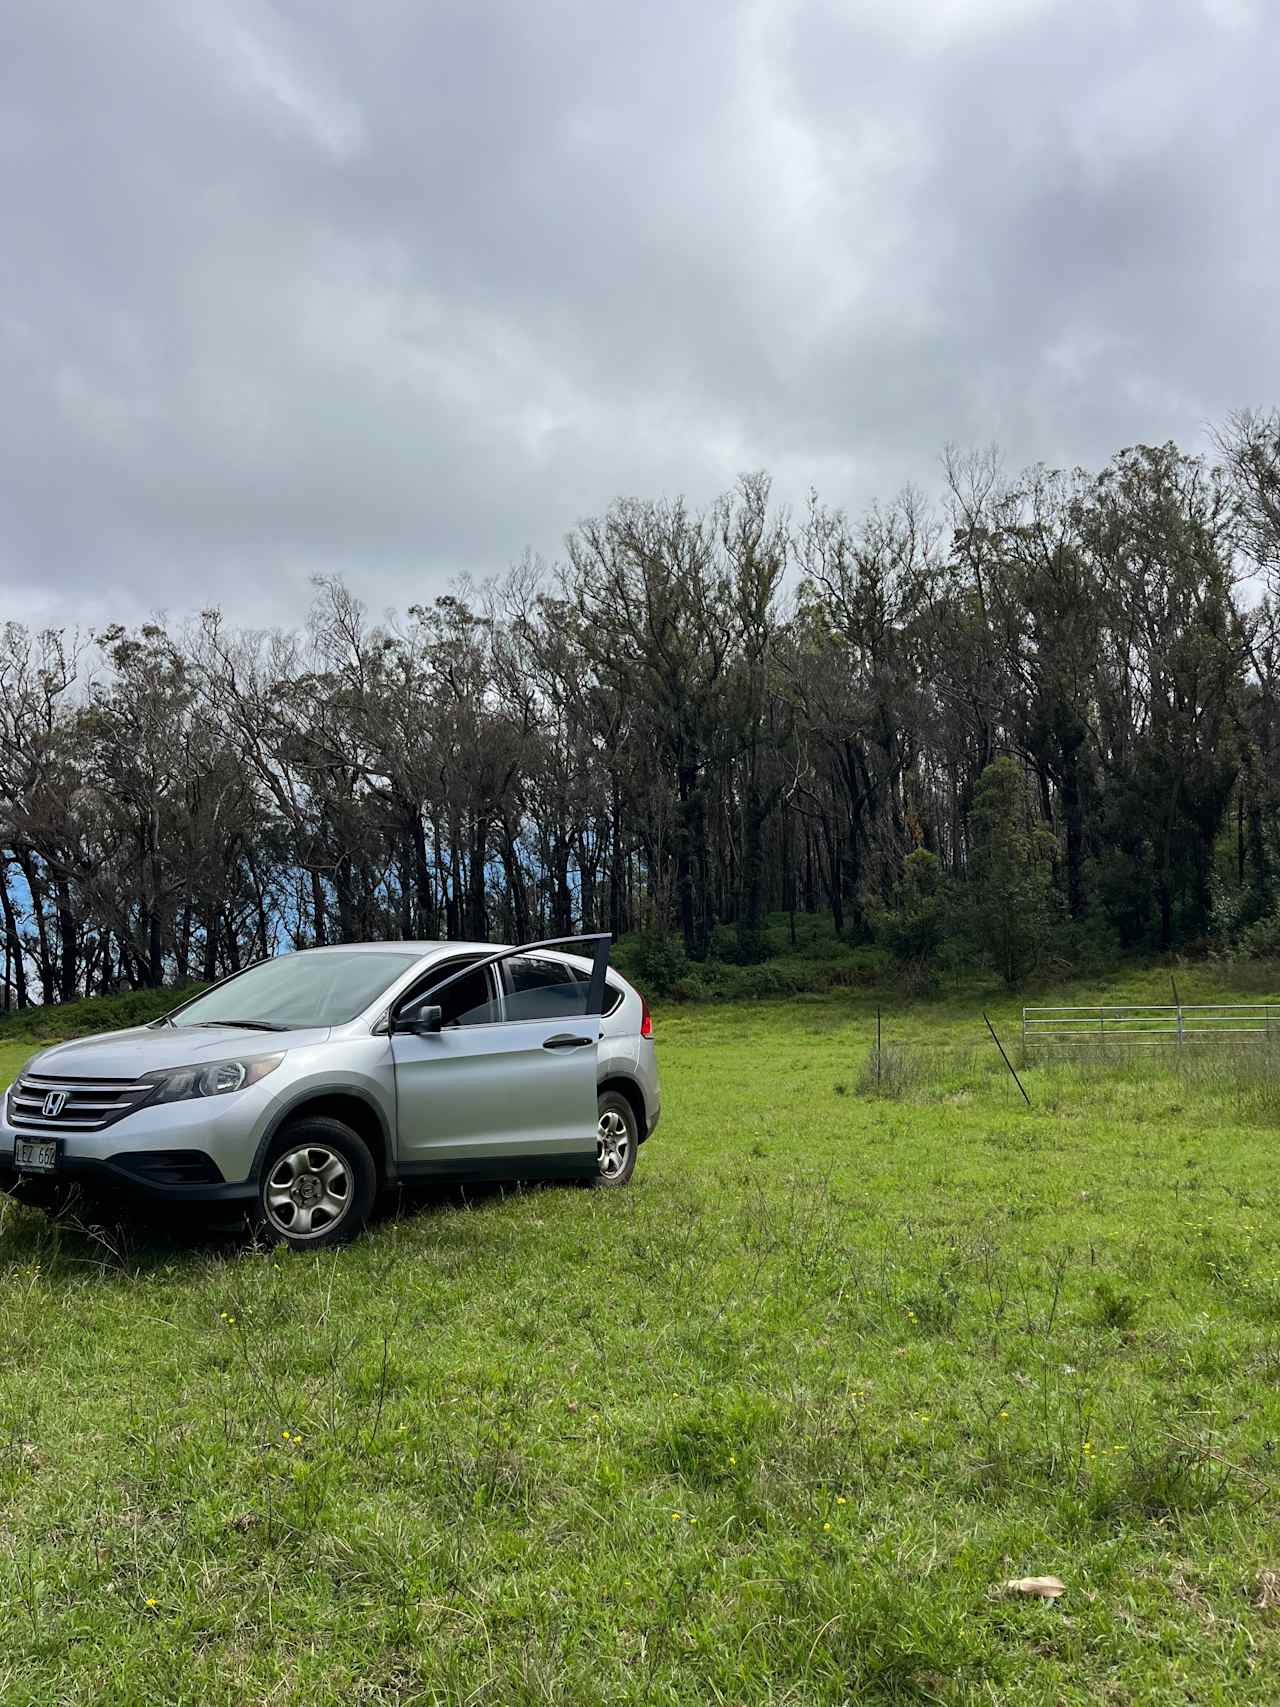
(613, 1143)
(308, 1191)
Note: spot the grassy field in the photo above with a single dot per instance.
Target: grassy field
(772, 1426)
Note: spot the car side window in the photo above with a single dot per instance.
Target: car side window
(469, 1001)
(543, 989)
(613, 992)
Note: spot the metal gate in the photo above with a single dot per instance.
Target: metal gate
(1151, 1022)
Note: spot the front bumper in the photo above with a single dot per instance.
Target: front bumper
(202, 1151)
(155, 1175)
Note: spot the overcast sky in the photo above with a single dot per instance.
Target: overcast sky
(399, 288)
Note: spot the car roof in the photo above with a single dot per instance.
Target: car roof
(433, 950)
(405, 946)
(440, 950)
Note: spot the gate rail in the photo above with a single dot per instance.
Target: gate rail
(1151, 1022)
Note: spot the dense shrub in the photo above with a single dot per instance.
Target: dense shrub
(862, 968)
(657, 963)
(916, 929)
(1261, 940)
(57, 1021)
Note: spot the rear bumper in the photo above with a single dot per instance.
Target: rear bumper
(650, 1084)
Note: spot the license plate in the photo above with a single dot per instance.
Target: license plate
(35, 1155)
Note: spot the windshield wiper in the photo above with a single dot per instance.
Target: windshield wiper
(245, 1024)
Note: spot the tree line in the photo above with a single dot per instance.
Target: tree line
(1039, 708)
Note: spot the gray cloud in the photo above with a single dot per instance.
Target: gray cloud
(397, 291)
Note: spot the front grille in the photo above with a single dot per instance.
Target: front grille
(87, 1105)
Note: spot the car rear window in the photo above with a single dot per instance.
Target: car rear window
(540, 988)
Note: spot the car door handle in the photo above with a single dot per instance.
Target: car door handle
(566, 1042)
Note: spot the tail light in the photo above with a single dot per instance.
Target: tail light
(646, 1019)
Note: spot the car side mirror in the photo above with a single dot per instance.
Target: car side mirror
(419, 1018)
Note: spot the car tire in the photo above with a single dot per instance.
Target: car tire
(317, 1185)
(617, 1139)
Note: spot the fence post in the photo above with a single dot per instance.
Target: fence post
(1178, 1000)
(1008, 1063)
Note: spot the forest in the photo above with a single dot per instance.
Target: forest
(1028, 717)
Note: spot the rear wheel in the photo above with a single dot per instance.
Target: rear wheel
(317, 1185)
(616, 1139)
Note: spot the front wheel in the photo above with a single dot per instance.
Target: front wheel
(317, 1185)
(616, 1139)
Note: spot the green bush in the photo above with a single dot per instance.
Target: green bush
(761, 982)
(787, 975)
(1261, 939)
(718, 982)
(1114, 1307)
(866, 967)
(1087, 945)
(57, 1021)
(657, 963)
(916, 928)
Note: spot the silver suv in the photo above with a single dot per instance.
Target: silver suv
(302, 1086)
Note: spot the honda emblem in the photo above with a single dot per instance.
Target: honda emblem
(53, 1104)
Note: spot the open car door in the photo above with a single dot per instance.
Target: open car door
(488, 1086)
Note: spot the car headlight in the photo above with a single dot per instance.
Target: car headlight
(180, 1084)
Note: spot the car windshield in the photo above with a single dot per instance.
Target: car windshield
(300, 990)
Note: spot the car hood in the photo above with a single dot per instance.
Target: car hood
(128, 1054)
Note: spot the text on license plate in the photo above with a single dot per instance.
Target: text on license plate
(35, 1155)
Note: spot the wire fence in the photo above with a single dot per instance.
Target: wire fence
(1218, 1066)
(899, 1068)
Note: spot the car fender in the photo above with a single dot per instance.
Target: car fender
(317, 1090)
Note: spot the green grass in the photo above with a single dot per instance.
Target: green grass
(768, 1427)
(13, 1056)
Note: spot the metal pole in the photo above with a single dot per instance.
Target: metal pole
(1008, 1063)
(878, 1057)
(1177, 1003)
